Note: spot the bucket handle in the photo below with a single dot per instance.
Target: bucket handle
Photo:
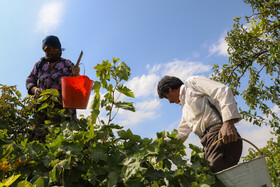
(84, 68)
(240, 139)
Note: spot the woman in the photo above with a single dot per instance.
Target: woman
(47, 72)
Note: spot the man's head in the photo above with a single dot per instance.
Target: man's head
(52, 48)
(169, 88)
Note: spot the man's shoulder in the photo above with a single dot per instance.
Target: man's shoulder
(193, 78)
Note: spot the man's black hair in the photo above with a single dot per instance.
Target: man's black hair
(168, 82)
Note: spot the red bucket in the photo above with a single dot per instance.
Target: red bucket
(76, 91)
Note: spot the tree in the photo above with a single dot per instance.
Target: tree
(253, 72)
(254, 53)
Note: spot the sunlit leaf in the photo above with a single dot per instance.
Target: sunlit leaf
(125, 134)
(113, 178)
(52, 175)
(126, 106)
(11, 179)
(39, 182)
(132, 167)
(99, 154)
(24, 184)
(124, 90)
(43, 106)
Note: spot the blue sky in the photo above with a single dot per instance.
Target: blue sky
(153, 37)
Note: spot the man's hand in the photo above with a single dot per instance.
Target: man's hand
(36, 91)
(228, 132)
(75, 71)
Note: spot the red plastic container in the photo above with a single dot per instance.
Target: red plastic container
(76, 91)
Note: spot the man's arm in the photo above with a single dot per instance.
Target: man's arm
(227, 105)
(183, 132)
(183, 129)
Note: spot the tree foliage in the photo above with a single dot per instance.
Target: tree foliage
(89, 151)
(254, 53)
(253, 72)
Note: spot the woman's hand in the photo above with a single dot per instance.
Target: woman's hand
(36, 91)
(75, 71)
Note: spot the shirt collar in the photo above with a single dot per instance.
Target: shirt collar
(182, 95)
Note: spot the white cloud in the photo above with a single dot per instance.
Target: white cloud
(144, 111)
(144, 85)
(219, 47)
(50, 16)
(148, 105)
(180, 68)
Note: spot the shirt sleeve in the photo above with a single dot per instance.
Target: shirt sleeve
(183, 129)
(31, 80)
(221, 95)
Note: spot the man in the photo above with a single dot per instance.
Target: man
(210, 111)
(47, 72)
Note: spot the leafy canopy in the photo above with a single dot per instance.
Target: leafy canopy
(253, 68)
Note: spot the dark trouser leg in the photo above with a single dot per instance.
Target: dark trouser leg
(220, 156)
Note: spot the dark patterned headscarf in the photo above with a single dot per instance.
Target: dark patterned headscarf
(51, 41)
